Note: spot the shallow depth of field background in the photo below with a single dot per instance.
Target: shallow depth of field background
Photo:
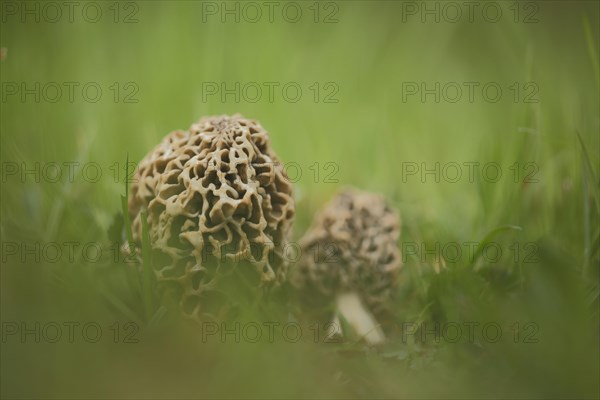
(366, 137)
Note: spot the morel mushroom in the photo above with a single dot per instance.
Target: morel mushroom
(351, 255)
(215, 195)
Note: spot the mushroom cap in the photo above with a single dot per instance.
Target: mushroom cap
(215, 194)
(351, 246)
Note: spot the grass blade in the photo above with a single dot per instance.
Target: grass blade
(591, 172)
(589, 37)
(125, 209)
(488, 238)
(119, 304)
(588, 175)
(146, 268)
(158, 316)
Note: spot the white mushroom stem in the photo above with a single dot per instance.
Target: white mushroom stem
(351, 307)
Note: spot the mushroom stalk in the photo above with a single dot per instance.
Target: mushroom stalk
(360, 319)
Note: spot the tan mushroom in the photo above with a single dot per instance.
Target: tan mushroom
(350, 256)
(215, 195)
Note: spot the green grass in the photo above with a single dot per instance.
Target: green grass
(367, 135)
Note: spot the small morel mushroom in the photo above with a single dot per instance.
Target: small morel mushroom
(351, 256)
(215, 195)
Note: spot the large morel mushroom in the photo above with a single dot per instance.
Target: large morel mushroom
(215, 195)
(350, 257)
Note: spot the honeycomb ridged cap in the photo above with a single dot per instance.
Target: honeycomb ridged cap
(214, 193)
(352, 245)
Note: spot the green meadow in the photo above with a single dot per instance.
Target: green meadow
(480, 128)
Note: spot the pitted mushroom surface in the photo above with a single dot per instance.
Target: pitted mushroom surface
(351, 253)
(214, 194)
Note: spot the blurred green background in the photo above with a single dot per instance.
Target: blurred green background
(356, 125)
